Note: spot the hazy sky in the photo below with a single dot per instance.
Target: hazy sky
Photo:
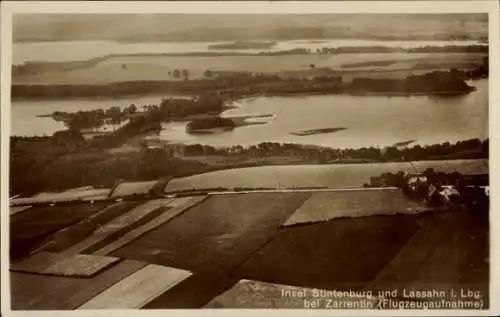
(109, 26)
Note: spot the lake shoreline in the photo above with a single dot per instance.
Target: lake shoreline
(241, 97)
(61, 94)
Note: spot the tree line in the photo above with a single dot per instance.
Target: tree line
(55, 167)
(241, 84)
(472, 148)
(432, 82)
(420, 49)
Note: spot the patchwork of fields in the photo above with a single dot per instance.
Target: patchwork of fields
(137, 68)
(199, 251)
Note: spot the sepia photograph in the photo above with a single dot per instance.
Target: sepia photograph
(320, 161)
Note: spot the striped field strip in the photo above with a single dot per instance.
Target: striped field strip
(61, 265)
(82, 265)
(99, 213)
(37, 262)
(178, 206)
(132, 216)
(48, 292)
(16, 209)
(135, 188)
(138, 289)
(117, 224)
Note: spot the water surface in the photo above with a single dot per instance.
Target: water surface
(84, 50)
(370, 120)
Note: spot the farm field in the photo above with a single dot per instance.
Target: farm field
(226, 238)
(32, 227)
(325, 175)
(217, 234)
(331, 205)
(137, 68)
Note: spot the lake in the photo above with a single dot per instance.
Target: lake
(370, 120)
(84, 50)
(327, 175)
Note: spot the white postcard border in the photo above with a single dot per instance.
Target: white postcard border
(282, 7)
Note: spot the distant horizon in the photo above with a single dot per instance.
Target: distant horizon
(218, 27)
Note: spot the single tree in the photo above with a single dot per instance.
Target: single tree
(208, 73)
(132, 109)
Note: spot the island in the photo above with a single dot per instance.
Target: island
(403, 143)
(217, 124)
(317, 131)
(242, 45)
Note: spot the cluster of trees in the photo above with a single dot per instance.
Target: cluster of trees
(421, 49)
(473, 148)
(178, 73)
(433, 82)
(480, 72)
(400, 179)
(205, 103)
(470, 149)
(168, 109)
(209, 123)
(472, 196)
(136, 126)
(208, 73)
(91, 119)
(18, 139)
(450, 49)
(150, 120)
(294, 51)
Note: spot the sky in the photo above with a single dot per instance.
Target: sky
(177, 27)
